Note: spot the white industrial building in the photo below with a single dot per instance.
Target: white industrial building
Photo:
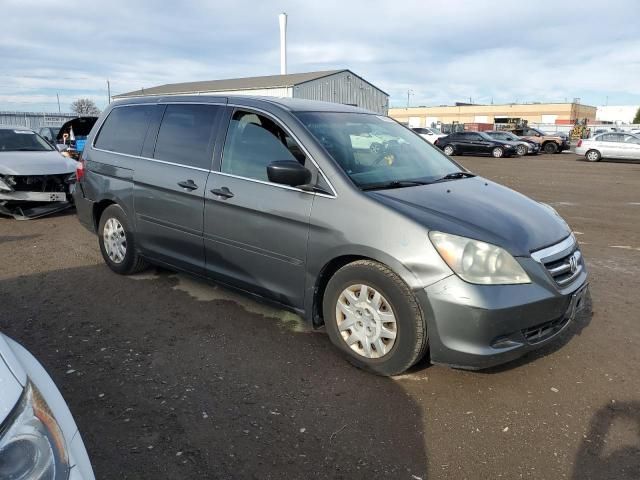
(338, 86)
(618, 114)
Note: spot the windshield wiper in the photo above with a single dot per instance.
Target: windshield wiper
(29, 150)
(455, 176)
(394, 184)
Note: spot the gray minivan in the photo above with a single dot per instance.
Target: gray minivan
(397, 250)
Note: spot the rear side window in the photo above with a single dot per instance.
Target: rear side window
(185, 135)
(125, 129)
(253, 142)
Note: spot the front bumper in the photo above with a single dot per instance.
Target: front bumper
(480, 326)
(26, 205)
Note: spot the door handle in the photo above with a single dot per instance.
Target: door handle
(223, 192)
(188, 184)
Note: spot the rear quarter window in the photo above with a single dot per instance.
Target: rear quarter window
(124, 129)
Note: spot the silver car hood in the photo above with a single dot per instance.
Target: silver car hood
(35, 163)
(10, 387)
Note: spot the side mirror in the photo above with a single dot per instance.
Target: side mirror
(288, 172)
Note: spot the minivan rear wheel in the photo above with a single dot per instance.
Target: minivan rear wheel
(449, 150)
(374, 319)
(117, 242)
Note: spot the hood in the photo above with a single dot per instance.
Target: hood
(480, 209)
(514, 143)
(81, 127)
(35, 163)
(10, 387)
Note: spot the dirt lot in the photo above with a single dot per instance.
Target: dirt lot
(171, 377)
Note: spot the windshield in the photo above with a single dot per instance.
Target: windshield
(22, 140)
(374, 150)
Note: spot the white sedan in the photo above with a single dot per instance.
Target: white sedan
(39, 439)
(429, 134)
(610, 145)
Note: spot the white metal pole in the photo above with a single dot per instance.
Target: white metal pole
(283, 43)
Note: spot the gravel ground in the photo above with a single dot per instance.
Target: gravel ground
(172, 377)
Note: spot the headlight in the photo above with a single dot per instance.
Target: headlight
(478, 262)
(31, 442)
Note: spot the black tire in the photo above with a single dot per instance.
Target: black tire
(522, 150)
(497, 152)
(450, 148)
(411, 338)
(550, 147)
(132, 261)
(592, 156)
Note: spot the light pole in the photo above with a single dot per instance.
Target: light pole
(409, 93)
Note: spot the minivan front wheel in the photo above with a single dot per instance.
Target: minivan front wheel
(372, 316)
(117, 242)
(497, 152)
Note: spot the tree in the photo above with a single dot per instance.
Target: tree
(85, 106)
(636, 119)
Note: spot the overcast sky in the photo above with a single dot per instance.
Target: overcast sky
(444, 51)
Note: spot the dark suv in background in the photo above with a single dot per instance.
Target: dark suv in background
(397, 249)
(476, 143)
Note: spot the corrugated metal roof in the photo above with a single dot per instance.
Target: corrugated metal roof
(247, 83)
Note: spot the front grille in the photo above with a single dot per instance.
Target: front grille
(565, 270)
(40, 183)
(543, 331)
(563, 261)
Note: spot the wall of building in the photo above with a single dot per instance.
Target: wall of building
(263, 92)
(34, 120)
(617, 113)
(346, 88)
(533, 113)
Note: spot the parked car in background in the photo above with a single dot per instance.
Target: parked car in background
(610, 145)
(50, 134)
(523, 147)
(476, 143)
(429, 134)
(73, 134)
(548, 143)
(35, 178)
(396, 252)
(39, 439)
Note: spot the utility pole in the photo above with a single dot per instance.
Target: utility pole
(409, 93)
(58, 97)
(108, 92)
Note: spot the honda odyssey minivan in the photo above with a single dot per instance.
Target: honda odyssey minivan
(398, 251)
